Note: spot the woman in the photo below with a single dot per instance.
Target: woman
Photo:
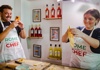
(86, 50)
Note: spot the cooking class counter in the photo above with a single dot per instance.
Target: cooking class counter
(34, 65)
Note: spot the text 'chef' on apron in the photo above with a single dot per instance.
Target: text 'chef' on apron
(11, 47)
(82, 56)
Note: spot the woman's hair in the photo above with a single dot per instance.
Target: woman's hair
(5, 7)
(95, 13)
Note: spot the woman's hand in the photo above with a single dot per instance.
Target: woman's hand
(76, 32)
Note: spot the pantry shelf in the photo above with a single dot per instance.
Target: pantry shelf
(52, 18)
(35, 37)
(54, 58)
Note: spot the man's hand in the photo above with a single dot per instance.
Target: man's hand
(20, 24)
(13, 24)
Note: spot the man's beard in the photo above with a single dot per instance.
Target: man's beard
(5, 19)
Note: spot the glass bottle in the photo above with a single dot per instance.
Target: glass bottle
(52, 11)
(59, 15)
(46, 11)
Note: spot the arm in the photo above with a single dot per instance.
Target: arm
(7, 30)
(22, 34)
(91, 41)
(65, 37)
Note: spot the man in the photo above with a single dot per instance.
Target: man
(10, 46)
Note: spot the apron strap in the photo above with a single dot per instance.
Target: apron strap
(2, 24)
(91, 31)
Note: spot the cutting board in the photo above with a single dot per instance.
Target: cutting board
(38, 65)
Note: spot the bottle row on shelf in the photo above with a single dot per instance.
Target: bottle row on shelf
(55, 52)
(53, 13)
(35, 31)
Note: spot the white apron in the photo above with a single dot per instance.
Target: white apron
(83, 57)
(10, 47)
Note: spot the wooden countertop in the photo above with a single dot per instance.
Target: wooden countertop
(38, 65)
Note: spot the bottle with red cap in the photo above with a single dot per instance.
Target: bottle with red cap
(52, 11)
(46, 11)
(36, 31)
(32, 31)
(39, 31)
(59, 15)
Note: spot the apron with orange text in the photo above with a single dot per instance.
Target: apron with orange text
(10, 47)
(83, 57)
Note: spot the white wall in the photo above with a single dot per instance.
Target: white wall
(73, 16)
(45, 25)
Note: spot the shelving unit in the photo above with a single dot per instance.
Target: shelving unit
(52, 18)
(53, 59)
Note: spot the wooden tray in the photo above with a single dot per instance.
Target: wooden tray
(38, 65)
(34, 65)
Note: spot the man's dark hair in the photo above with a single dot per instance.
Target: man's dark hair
(5, 7)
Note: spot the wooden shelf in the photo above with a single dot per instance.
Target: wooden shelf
(35, 37)
(52, 18)
(54, 58)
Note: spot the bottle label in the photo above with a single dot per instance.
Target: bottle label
(55, 53)
(39, 31)
(51, 53)
(31, 31)
(52, 13)
(58, 53)
(58, 12)
(35, 31)
(47, 13)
